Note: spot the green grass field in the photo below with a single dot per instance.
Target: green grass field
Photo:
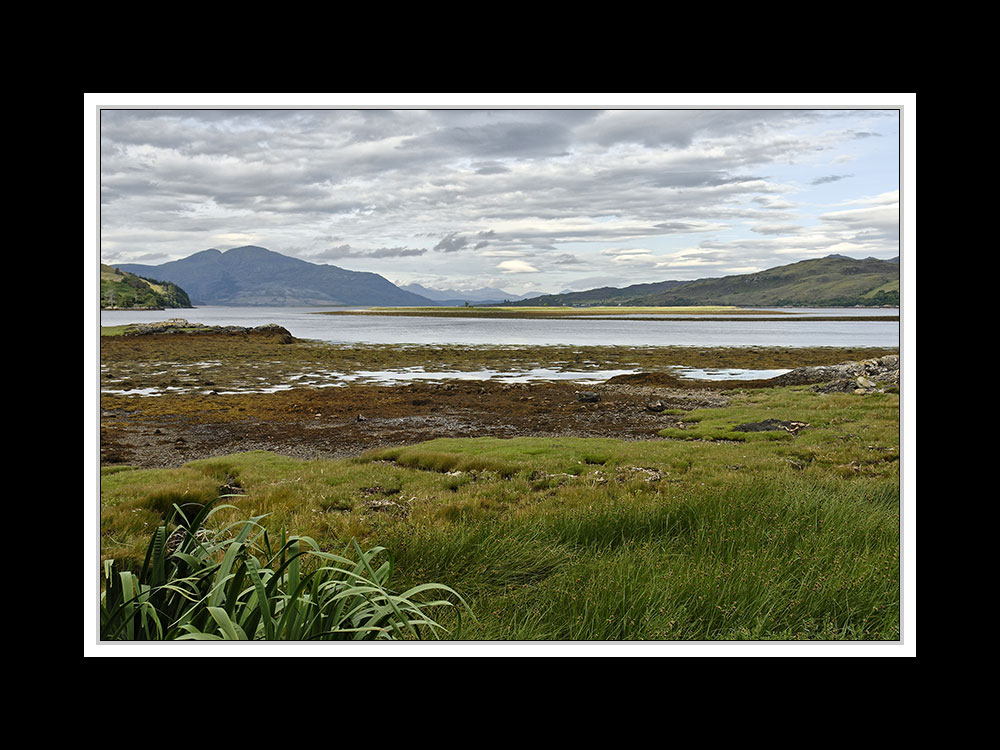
(703, 534)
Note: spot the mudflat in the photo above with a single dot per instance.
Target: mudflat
(230, 391)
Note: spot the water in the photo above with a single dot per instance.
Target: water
(302, 322)
(728, 373)
(792, 312)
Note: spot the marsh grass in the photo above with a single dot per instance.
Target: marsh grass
(601, 539)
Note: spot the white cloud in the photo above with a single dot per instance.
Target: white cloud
(516, 266)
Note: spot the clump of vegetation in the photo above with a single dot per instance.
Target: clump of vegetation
(229, 584)
(122, 290)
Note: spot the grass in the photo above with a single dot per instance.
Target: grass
(703, 534)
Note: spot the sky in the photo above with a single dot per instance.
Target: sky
(522, 197)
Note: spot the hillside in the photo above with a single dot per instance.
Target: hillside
(249, 276)
(121, 290)
(605, 295)
(833, 281)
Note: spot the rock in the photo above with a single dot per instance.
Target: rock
(848, 377)
(656, 406)
(181, 326)
(836, 386)
(771, 425)
(588, 397)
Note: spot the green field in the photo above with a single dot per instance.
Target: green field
(704, 534)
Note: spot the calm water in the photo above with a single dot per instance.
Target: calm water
(302, 322)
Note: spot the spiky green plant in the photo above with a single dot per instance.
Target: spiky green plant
(229, 584)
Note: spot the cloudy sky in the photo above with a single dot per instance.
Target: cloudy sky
(522, 198)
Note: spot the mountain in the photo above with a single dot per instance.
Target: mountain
(120, 290)
(833, 281)
(248, 276)
(458, 297)
(605, 295)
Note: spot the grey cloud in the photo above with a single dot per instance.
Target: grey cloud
(451, 243)
(593, 282)
(680, 226)
(770, 203)
(776, 229)
(487, 236)
(113, 258)
(512, 139)
(830, 178)
(492, 168)
(875, 222)
(679, 128)
(564, 259)
(698, 179)
(346, 251)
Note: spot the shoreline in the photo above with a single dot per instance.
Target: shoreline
(221, 414)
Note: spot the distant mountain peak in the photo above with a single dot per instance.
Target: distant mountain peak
(251, 275)
(482, 294)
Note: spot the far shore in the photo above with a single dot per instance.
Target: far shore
(718, 312)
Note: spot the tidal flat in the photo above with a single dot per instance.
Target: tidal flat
(718, 312)
(641, 515)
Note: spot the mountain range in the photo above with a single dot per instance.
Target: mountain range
(833, 281)
(251, 275)
(483, 295)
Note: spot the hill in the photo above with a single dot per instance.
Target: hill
(455, 297)
(122, 290)
(250, 275)
(605, 295)
(833, 281)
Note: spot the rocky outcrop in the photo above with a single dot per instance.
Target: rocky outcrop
(866, 376)
(181, 326)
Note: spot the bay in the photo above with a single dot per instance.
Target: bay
(304, 322)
